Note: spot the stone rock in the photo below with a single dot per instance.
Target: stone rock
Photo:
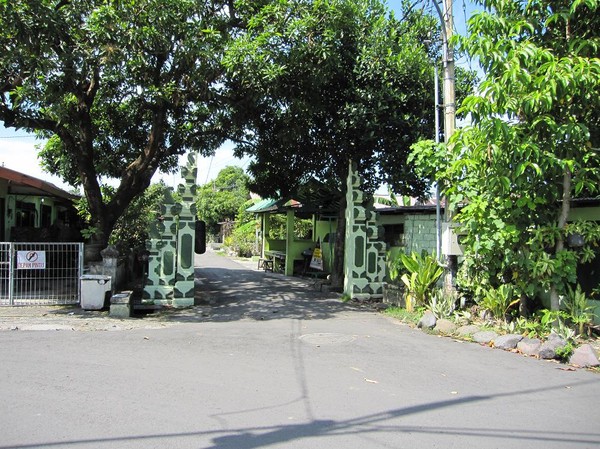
(110, 251)
(445, 327)
(484, 337)
(508, 341)
(555, 337)
(549, 347)
(465, 331)
(584, 356)
(427, 321)
(530, 347)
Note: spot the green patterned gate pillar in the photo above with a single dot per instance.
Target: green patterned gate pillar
(184, 278)
(171, 246)
(364, 254)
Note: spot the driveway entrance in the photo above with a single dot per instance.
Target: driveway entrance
(264, 362)
(229, 290)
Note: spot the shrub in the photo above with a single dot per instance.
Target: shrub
(422, 272)
(579, 312)
(443, 304)
(499, 300)
(243, 240)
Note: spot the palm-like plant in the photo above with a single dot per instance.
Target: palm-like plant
(423, 271)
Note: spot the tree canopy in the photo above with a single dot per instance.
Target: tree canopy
(120, 89)
(222, 198)
(533, 145)
(318, 83)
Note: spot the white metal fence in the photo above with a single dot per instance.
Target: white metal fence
(40, 273)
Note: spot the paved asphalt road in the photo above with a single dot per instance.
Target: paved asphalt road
(267, 362)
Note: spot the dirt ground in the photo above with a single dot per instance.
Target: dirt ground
(73, 318)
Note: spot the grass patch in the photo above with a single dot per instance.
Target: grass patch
(403, 315)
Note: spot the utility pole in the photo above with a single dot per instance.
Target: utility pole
(449, 97)
(449, 125)
(447, 28)
(438, 215)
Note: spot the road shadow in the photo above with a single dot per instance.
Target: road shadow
(229, 291)
(367, 428)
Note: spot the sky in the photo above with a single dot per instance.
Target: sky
(18, 152)
(18, 148)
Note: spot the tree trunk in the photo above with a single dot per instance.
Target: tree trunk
(562, 222)
(136, 178)
(337, 271)
(524, 306)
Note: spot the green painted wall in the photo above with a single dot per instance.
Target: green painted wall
(419, 230)
(364, 255)
(293, 247)
(584, 213)
(419, 233)
(170, 278)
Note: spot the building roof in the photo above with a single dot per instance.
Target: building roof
(22, 184)
(266, 205)
(396, 210)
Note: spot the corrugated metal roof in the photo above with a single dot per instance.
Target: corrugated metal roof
(22, 184)
(263, 206)
(393, 210)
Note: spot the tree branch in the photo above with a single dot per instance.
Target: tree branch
(13, 119)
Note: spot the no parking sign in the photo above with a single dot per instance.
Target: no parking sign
(31, 260)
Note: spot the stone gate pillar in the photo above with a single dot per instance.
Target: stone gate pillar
(171, 246)
(162, 248)
(184, 279)
(364, 254)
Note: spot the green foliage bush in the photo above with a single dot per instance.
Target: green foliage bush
(419, 273)
(243, 240)
(131, 229)
(579, 311)
(278, 226)
(499, 300)
(221, 199)
(443, 304)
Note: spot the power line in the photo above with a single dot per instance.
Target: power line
(209, 165)
(24, 136)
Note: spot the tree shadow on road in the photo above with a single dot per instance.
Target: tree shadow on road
(370, 428)
(224, 294)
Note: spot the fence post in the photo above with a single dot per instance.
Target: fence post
(11, 273)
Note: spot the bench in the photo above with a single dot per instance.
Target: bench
(317, 274)
(265, 264)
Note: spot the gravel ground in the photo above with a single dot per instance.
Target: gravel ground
(73, 318)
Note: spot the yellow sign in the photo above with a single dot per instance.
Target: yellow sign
(317, 259)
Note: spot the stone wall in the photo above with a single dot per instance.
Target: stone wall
(420, 233)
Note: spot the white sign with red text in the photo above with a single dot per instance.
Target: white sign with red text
(31, 260)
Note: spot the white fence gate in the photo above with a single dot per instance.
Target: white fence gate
(40, 273)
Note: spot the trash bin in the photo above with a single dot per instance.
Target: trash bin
(93, 290)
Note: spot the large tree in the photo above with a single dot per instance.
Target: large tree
(120, 88)
(533, 145)
(222, 198)
(318, 83)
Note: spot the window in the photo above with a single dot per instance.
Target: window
(25, 215)
(393, 234)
